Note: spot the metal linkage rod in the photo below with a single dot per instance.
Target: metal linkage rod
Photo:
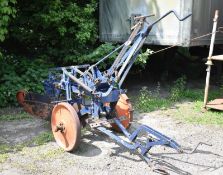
(133, 50)
(126, 45)
(70, 67)
(107, 56)
(103, 59)
(217, 57)
(122, 79)
(77, 80)
(143, 17)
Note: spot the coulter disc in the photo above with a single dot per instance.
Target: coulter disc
(66, 126)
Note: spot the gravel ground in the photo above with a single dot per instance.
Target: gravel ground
(99, 155)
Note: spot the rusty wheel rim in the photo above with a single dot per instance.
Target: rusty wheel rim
(123, 108)
(20, 96)
(66, 126)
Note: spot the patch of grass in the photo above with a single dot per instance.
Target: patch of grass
(149, 101)
(3, 157)
(192, 113)
(52, 153)
(198, 94)
(43, 138)
(11, 117)
(177, 91)
(4, 148)
(189, 104)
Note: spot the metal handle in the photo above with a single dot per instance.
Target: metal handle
(180, 19)
(168, 13)
(165, 15)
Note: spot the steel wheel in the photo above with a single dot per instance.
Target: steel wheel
(66, 126)
(123, 108)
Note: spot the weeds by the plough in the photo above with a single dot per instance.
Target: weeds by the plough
(3, 157)
(41, 139)
(149, 101)
(15, 116)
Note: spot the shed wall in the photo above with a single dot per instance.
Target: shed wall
(115, 24)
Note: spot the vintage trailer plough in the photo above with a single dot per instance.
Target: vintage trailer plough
(77, 96)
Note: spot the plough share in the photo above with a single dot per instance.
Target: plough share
(77, 96)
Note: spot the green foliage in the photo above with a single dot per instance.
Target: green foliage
(143, 58)
(192, 113)
(18, 116)
(98, 54)
(147, 101)
(179, 92)
(19, 74)
(178, 89)
(58, 30)
(34, 33)
(7, 11)
(43, 138)
(41, 32)
(52, 153)
(3, 157)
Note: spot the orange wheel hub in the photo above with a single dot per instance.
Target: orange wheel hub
(123, 108)
(66, 126)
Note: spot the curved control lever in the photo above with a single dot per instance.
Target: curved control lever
(165, 15)
(180, 19)
(175, 13)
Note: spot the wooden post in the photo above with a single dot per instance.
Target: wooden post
(209, 61)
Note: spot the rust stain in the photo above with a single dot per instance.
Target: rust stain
(35, 104)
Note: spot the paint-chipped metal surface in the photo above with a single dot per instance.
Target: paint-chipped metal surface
(37, 105)
(115, 20)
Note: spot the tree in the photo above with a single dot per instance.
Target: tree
(7, 11)
(56, 30)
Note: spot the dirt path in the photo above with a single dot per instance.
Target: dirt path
(99, 155)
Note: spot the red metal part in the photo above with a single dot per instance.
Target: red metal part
(216, 104)
(123, 108)
(35, 104)
(66, 126)
(20, 96)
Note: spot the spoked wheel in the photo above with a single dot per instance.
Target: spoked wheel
(66, 126)
(123, 108)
